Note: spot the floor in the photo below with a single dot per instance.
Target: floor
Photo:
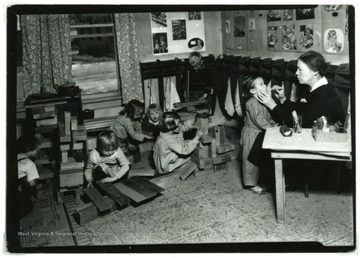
(215, 209)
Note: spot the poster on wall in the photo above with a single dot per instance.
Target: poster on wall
(180, 32)
(179, 29)
(239, 26)
(304, 14)
(160, 43)
(194, 16)
(288, 15)
(288, 39)
(335, 31)
(272, 35)
(334, 40)
(274, 15)
(306, 37)
(251, 24)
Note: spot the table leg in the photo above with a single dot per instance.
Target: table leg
(279, 190)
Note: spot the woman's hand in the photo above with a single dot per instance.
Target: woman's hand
(279, 92)
(265, 99)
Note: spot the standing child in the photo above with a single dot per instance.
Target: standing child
(27, 148)
(257, 119)
(152, 122)
(123, 126)
(171, 151)
(107, 162)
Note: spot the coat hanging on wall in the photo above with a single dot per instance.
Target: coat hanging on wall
(237, 102)
(229, 104)
(171, 95)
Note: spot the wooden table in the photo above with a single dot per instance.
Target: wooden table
(299, 146)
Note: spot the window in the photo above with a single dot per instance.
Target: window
(94, 67)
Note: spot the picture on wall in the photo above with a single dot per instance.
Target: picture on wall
(306, 36)
(251, 24)
(288, 15)
(179, 29)
(196, 44)
(159, 18)
(274, 15)
(160, 43)
(272, 36)
(332, 7)
(333, 40)
(288, 39)
(239, 26)
(303, 14)
(194, 16)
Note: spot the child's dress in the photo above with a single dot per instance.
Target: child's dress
(110, 165)
(256, 120)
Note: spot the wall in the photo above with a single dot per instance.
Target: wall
(261, 42)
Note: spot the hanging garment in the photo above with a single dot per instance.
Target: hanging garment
(229, 104)
(171, 94)
(237, 100)
(154, 92)
(294, 93)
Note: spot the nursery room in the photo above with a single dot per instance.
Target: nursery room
(181, 128)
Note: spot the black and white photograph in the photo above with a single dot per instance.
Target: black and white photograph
(157, 129)
(179, 29)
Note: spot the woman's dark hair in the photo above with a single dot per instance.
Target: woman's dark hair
(169, 119)
(248, 85)
(26, 143)
(131, 107)
(315, 61)
(107, 140)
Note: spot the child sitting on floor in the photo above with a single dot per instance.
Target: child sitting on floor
(107, 162)
(27, 148)
(171, 151)
(123, 126)
(152, 123)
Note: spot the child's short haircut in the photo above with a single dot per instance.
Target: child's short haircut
(26, 143)
(153, 107)
(248, 85)
(107, 140)
(169, 119)
(131, 107)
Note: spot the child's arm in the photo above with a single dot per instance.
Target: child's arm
(187, 124)
(89, 168)
(124, 167)
(185, 147)
(129, 127)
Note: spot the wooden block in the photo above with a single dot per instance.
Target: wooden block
(206, 139)
(141, 169)
(71, 178)
(49, 108)
(91, 143)
(61, 128)
(64, 157)
(167, 181)
(204, 123)
(221, 159)
(67, 147)
(67, 122)
(186, 171)
(225, 148)
(74, 123)
(131, 193)
(85, 213)
(114, 193)
(65, 138)
(219, 167)
(47, 121)
(44, 115)
(71, 165)
(146, 183)
(212, 149)
(79, 134)
(37, 110)
(218, 132)
(96, 198)
(146, 146)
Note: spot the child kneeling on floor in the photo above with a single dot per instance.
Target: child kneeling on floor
(107, 162)
(171, 151)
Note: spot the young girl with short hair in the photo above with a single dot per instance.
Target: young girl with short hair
(107, 162)
(257, 119)
(152, 122)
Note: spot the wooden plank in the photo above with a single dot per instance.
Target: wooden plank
(67, 116)
(44, 115)
(221, 159)
(72, 164)
(130, 192)
(71, 178)
(49, 108)
(85, 213)
(138, 187)
(225, 148)
(206, 139)
(167, 181)
(64, 157)
(46, 122)
(96, 198)
(73, 123)
(67, 147)
(114, 193)
(187, 170)
(61, 128)
(148, 184)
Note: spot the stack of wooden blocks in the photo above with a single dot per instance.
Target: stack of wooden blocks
(73, 148)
